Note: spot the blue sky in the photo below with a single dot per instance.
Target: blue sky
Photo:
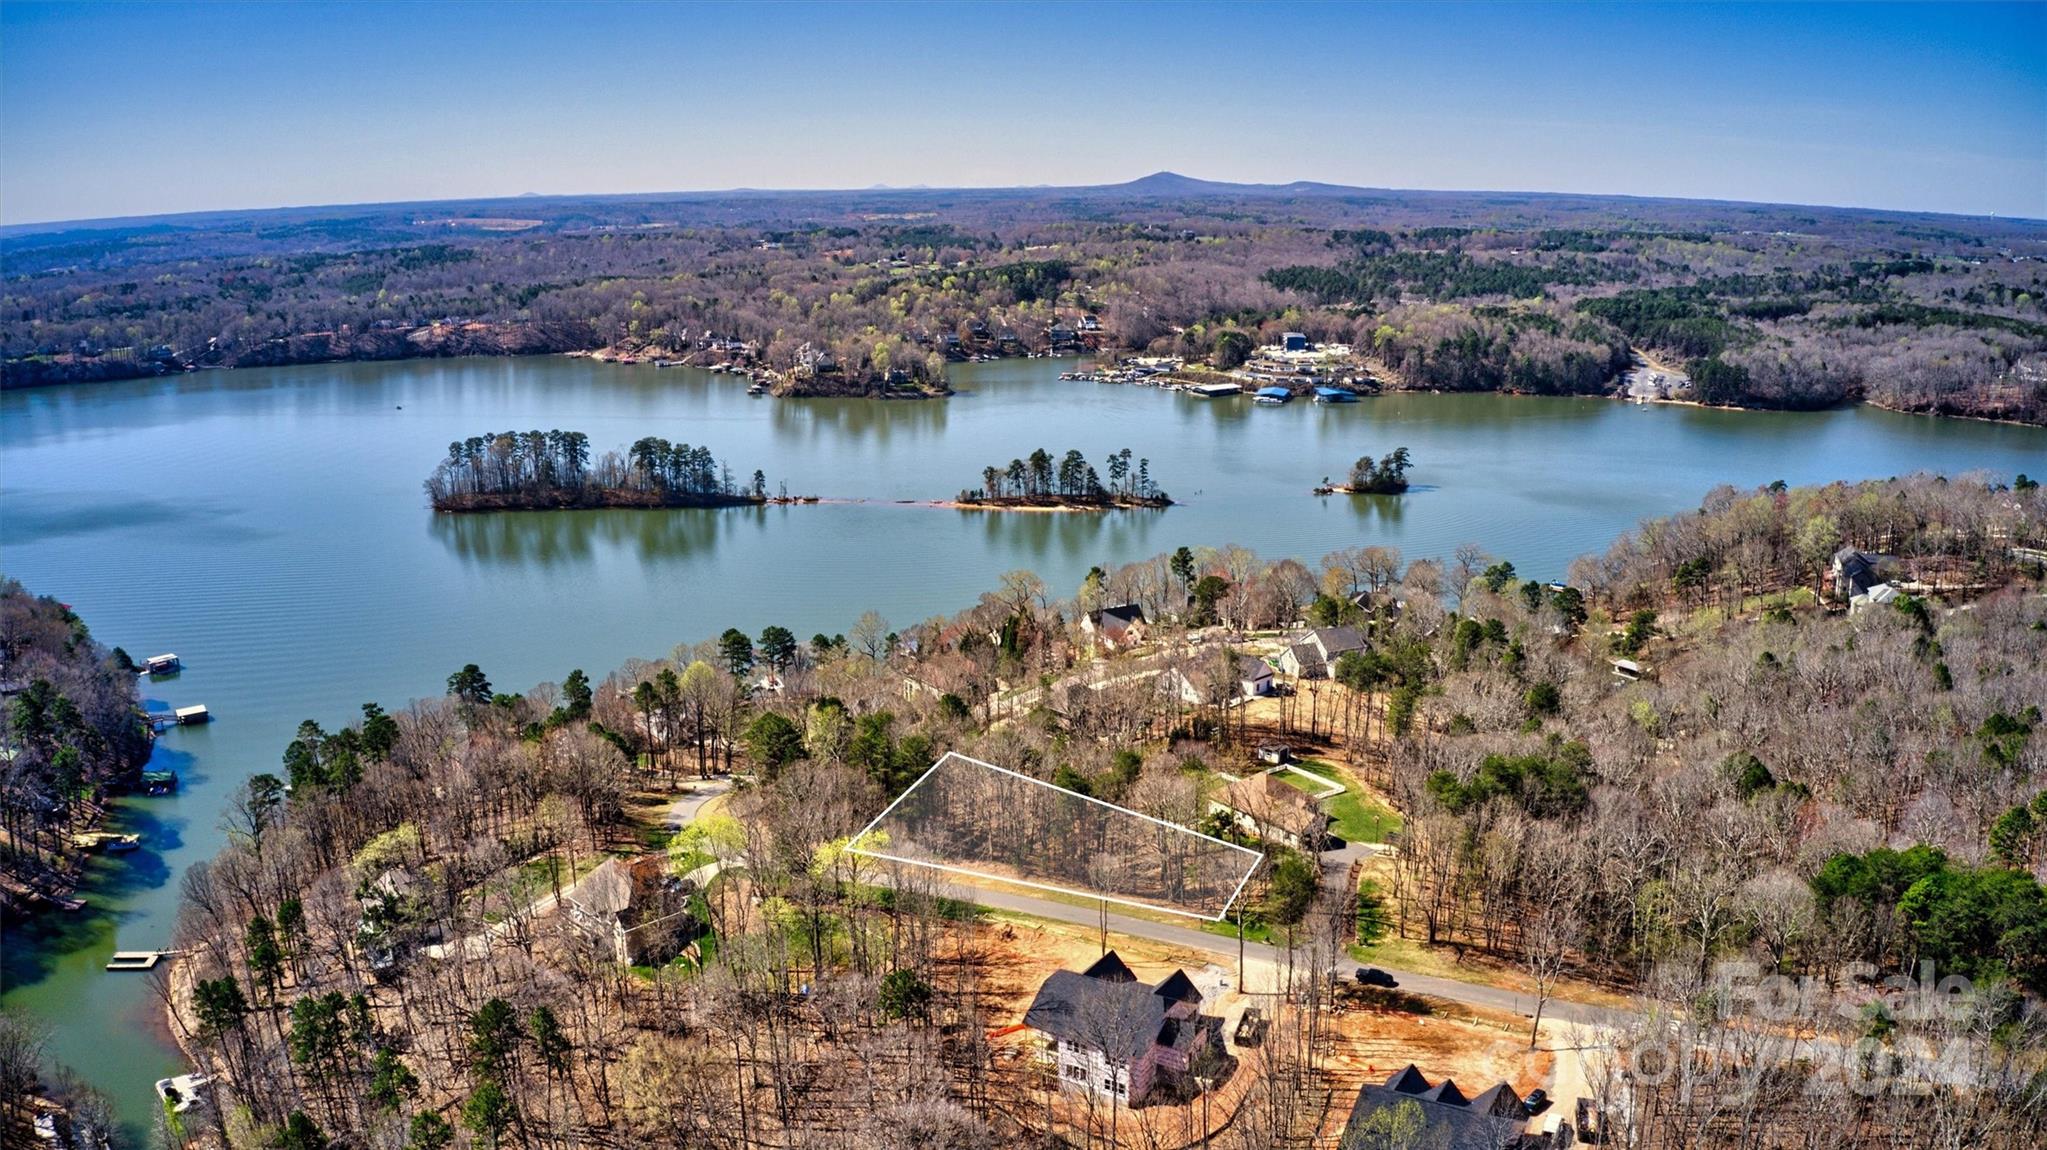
(135, 109)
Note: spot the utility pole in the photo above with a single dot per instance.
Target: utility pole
(1240, 949)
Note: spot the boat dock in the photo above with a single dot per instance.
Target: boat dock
(139, 959)
(182, 717)
(162, 665)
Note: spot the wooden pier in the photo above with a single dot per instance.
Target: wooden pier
(137, 959)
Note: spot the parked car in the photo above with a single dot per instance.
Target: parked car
(1537, 1101)
(1373, 976)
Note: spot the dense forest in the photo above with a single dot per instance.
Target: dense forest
(549, 469)
(1037, 481)
(874, 292)
(73, 733)
(1787, 782)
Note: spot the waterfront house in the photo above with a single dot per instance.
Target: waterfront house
(1116, 628)
(1109, 1033)
(1061, 337)
(1314, 655)
(1274, 810)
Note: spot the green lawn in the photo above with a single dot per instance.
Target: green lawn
(1354, 815)
(1300, 784)
(1254, 931)
(1358, 819)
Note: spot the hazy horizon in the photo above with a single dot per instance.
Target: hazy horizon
(658, 194)
(118, 111)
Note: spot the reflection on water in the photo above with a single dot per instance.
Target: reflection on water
(1070, 536)
(1380, 510)
(796, 421)
(564, 538)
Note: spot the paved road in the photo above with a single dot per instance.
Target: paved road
(683, 811)
(1468, 993)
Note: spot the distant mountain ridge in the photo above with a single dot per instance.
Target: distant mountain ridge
(1159, 187)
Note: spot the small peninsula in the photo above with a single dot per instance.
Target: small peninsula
(1037, 483)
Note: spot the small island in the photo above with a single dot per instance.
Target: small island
(1071, 484)
(552, 470)
(1386, 476)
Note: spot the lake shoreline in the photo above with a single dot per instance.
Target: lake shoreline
(794, 501)
(329, 582)
(126, 373)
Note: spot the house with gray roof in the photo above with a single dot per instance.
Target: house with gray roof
(1112, 1034)
(1410, 1111)
(1314, 654)
(633, 909)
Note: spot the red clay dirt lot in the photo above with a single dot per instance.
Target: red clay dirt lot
(1363, 1044)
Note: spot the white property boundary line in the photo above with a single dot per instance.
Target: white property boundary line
(1093, 896)
(1335, 788)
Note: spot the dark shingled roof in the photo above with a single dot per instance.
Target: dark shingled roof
(1106, 1006)
(1445, 1092)
(1495, 1121)
(1408, 1081)
(1177, 987)
(1110, 968)
(1500, 1101)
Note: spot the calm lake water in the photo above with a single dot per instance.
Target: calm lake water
(269, 527)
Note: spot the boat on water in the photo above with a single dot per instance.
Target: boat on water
(159, 782)
(179, 1093)
(757, 389)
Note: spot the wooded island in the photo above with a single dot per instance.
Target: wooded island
(544, 470)
(1071, 484)
(1388, 476)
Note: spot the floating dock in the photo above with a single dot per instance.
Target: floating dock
(162, 665)
(136, 959)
